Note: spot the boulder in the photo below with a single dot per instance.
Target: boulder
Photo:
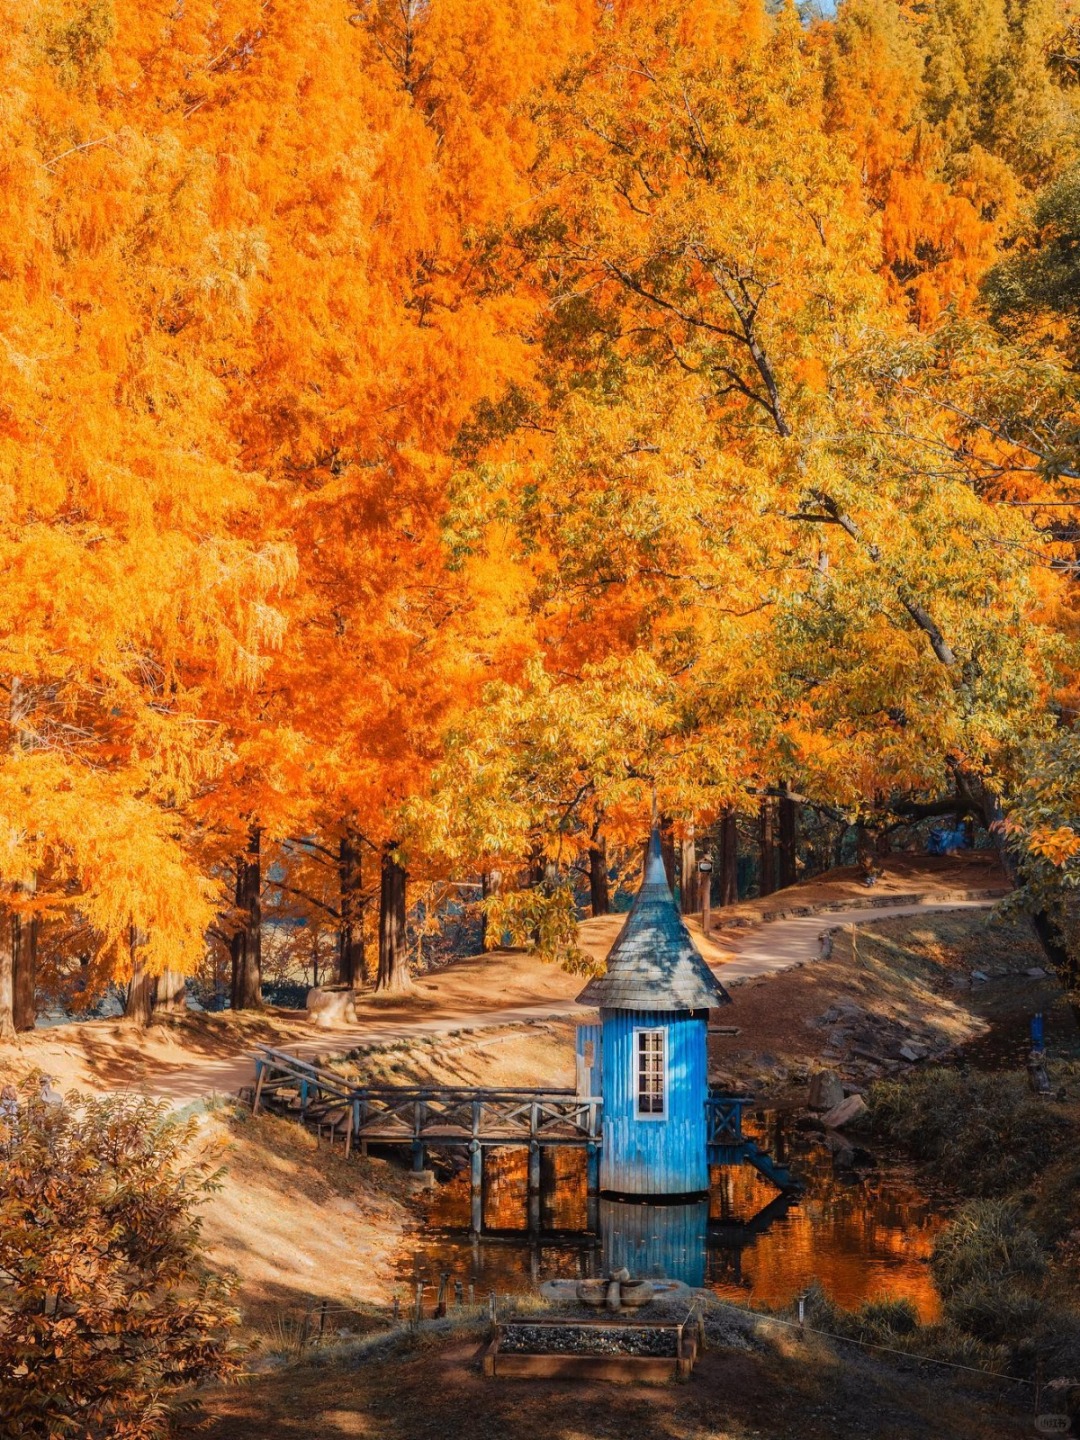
(853, 1108)
(911, 1053)
(327, 1008)
(826, 1091)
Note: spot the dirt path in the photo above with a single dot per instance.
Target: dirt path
(199, 1056)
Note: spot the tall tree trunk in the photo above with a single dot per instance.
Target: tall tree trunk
(667, 850)
(246, 944)
(789, 825)
(170, 992)
(688, 873)
(24, 943)
(352, 960)
(490, 884)
(599, 889)
(393, 952)
(7, 976)
(767, 883)
(139, 1000)
(729, 859)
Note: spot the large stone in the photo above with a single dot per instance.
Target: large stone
(849, 1110)
(826, 1091)
(327, 1008)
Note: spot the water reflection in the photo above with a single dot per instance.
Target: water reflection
(655, 1241)
(858, 1236)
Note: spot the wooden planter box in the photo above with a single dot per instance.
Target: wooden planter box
(563, 1363)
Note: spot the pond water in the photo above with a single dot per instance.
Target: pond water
(860, 1233)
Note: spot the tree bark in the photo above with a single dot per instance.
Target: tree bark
(599, 889)
(767, 882)
(490, 884)
(789, 825)
(352, 959)
(246, 946)
(667, 849)
(729, 859)
(170, 992)
(139, 999)
(393, 951)
(688, 874)
(7, 977)
(24, 932)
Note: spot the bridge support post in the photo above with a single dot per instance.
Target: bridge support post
(534, 1187)
(592, 1187)
(418, 1156)
(476, 1156)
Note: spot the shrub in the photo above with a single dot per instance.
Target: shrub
(985, 1134)
(986, 1244)
(105, 1309)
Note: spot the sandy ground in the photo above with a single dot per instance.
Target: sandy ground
(296, 1226)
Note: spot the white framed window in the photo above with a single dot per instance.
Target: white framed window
(650, 1073)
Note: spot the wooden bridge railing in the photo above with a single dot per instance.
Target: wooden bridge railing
(420, 1115)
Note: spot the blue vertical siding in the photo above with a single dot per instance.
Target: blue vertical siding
(655, 1241)
(653, 1156)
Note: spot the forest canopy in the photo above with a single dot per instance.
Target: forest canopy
(430, 430)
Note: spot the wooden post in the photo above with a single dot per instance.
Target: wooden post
(260, 1076)
(476, 1189)
(592, 1187)
(534, 1169)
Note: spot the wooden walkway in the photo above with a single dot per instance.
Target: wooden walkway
(420, 1117)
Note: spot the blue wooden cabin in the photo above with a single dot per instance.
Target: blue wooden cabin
(654, 1001)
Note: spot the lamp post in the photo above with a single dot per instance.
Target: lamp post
(705, 871)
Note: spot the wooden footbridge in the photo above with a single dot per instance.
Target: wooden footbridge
(422, 1117)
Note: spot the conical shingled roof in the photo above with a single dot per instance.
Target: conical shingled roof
(654, 964)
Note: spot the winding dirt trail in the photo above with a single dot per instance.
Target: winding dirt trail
(201, 1056)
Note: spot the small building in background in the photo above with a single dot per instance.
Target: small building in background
(654, 1001)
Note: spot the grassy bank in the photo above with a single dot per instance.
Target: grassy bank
(1008, 1266)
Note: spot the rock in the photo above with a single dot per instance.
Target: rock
(979, 975)
(327, 1008)
(826, 1091)
(421, 1179)
(911, 1053)
(1036, 972)
(613, 1295)
(808, 1124)
(591, 1292)
(635, 1293)
(620, 1275)
(841, 1149)
(849, 1110)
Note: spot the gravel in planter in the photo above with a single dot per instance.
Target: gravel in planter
(524, 1339)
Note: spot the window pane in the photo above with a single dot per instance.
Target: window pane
(650, 1072)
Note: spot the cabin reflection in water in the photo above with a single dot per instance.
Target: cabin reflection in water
(858, 1238)
(655, 1241)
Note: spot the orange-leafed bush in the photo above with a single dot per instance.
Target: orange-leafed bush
(106, 1310)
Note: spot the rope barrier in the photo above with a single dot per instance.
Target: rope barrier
(872, 1345)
